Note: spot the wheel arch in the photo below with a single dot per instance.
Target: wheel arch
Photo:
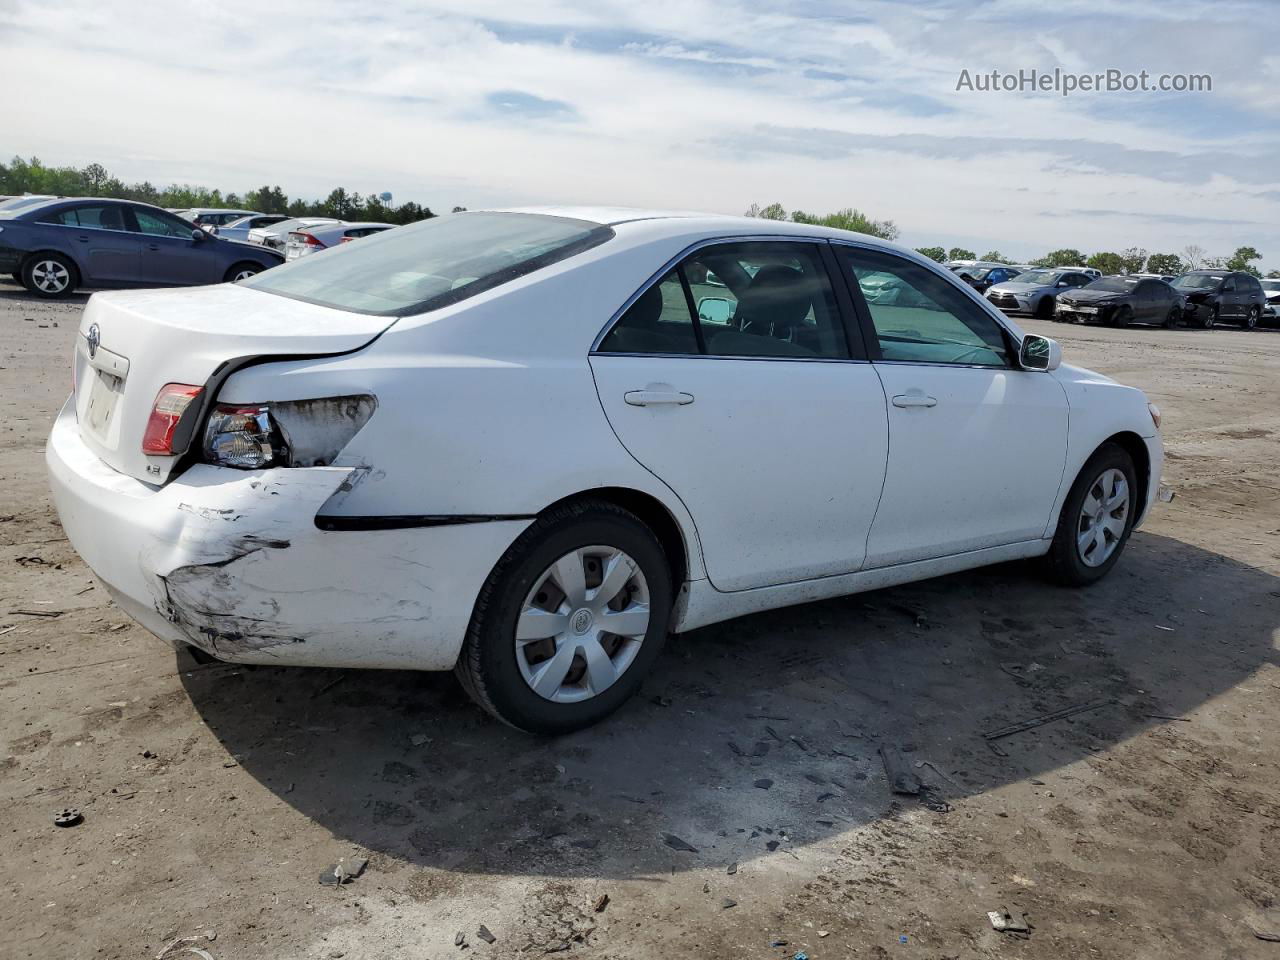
(655, 514)
(1136, 447)
(78, 275)
(236, 265)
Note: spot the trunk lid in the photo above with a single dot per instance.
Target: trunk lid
(144, 339)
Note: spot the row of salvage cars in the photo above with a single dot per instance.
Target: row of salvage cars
(1198, 298)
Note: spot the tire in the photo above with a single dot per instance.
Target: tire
(1250, 321)
(242, 271)
(1210, 318)
(1044, 309)
(50, 275)
(17, 278)
(1122, 317)
(1067, 562)
(1172, 319)
(500, 672)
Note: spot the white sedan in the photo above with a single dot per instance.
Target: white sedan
(527, 445)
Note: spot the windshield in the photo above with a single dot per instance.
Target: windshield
(1271, 286)
(1198, 281)
(1114, 284)
(431, 264)
(1038, 277)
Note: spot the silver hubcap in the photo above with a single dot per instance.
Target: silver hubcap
(244, 275)
(50, 276)
(1103, 518)
(582, 624)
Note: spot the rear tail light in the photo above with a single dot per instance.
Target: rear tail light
(306, 238)
(173, 400)
(298, 433)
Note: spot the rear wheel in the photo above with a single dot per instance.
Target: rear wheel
(1210, 317)
(1122, 317)
(1172, 319)
(569, 621)
(49, 275)
(1096, 519)
(243, 271)
(1251, 318)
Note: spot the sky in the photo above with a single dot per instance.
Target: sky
(680, 104)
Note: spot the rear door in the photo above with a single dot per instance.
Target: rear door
(977, 446)
(731, 378)
(169, 255)
(97, 234)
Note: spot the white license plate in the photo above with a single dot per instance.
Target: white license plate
(104, 394)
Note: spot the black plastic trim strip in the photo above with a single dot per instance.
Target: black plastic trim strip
(408, 521)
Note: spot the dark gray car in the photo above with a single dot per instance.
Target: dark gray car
(56, 246)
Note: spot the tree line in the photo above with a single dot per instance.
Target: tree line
(21, 176)
(1130, 260)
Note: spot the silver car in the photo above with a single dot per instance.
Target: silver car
(1036, 291)
(305, 240)
(274, 235)
(239, 229)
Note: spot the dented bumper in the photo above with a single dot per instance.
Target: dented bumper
(231, 561)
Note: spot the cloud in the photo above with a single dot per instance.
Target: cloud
(710, 104)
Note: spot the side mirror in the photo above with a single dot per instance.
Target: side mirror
(1063, 283)
(718, 310)
(197, 234)
(1039, 353)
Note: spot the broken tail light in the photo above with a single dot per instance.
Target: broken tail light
(295, 433)
(173, 400)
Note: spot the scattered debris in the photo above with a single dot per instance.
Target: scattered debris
(800, 743)
(761, 749)
(1044, 718)
(733, 868)
(1005, 922)
(1161, 716)
(902, 778)
(737, 750)
(344, 871)
(773, 733)
(68, 817)
(675, 843)
(918, 616)
(660, 701)
(763, 784)
(36, 613)
(823, 934)
(602, 901)
(728, 903)
(330, 685)
(460, 939)
(418, 739)
(772, 845)
(1161, 626)
(184, 943)
(484, 934)
(930, 799)
(801, 956)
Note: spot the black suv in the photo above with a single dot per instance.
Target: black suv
(1221, 295)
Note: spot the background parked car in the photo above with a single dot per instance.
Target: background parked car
(1035, 291)
(239, 229)
(213, 216)
(59, 245)
(274, 235)
(983, 279)
(314, 239)
(16, 203)
(1213, 296)
(1271, 290)
(1119, 301)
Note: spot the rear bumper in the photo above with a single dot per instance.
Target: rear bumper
(232, 562)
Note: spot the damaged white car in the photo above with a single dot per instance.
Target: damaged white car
(526, 445)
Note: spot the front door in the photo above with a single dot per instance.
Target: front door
(977, 446)
(732, 380)
(169, 255)
(107, 252)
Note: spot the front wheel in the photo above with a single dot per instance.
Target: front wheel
(1251, 318)
(1122, 317)
(242, 271)
(49, 275)
(1211, 318)
(569, 621)
(1046, 308)
(1096, 519)
(1172, 319)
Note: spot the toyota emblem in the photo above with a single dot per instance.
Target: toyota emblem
(94, 337)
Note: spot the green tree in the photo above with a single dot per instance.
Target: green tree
(1106, 262)
(1274, 275)
(1066, 257)
(1241, 260)
(1193, 256)
(773, 211)
(1168, 264)
(995, 256)
(95, 178)
(850, 219)
(960, 253)
(936, 254)
(1133, 259)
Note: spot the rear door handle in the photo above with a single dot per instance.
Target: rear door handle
(914, 400)
(153, 246)
(83, 239)
(653, 398)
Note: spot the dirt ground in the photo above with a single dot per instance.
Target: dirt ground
(214, 795)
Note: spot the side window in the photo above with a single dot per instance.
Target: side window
(97, 216)
(919, 317)
(658, 322)
(749, 299)
(62, 218)
(1229, 285)
(155, 225)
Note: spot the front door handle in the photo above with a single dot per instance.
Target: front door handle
(153, 246)
(653, 398)
(914, 400)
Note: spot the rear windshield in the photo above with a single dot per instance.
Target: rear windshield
(431, 264)
(1114, 284)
